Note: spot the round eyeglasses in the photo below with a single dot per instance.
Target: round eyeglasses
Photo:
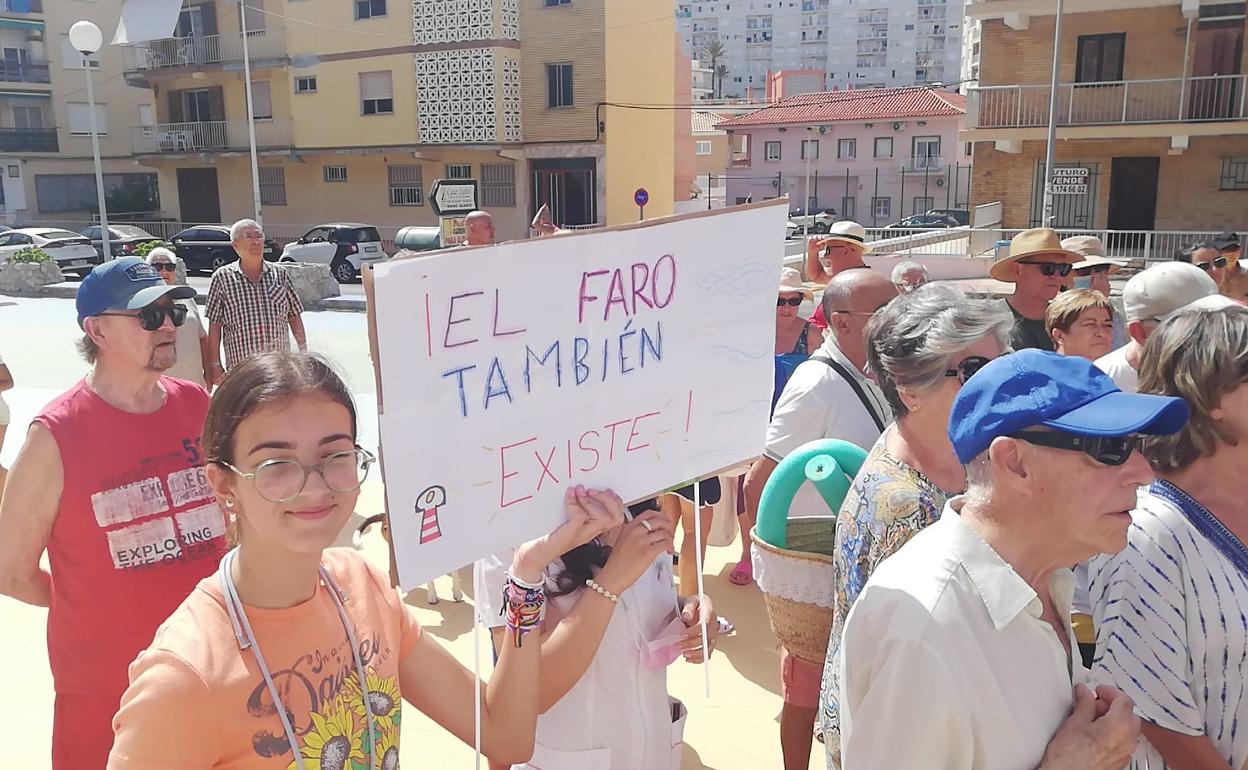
(282, 480)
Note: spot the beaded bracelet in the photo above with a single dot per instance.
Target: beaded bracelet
(524, 607)
(594, 586)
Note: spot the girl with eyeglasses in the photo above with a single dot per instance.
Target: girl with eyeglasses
(192, 338)
(296, 655)
(921, 348)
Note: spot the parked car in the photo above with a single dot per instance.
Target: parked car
(345, 246)
(924, 222)
(819, 222)
(208, 247)
(122, 239)
(73, 253)
(961, 216)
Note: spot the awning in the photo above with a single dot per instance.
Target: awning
(20, 24)
(28, 94)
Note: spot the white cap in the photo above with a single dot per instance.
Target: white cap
(1159, 291)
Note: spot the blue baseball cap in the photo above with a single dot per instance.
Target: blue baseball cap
(124, 284)
(1066, 393)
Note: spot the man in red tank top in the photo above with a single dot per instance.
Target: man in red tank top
(110, 482)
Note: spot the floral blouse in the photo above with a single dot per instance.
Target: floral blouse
(888, 503)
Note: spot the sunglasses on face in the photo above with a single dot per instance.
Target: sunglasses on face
(967, 367)
(791, 301)
(1048, 269)
(1219, 263)
(1106, 450)
(164, 267)
(1097, 269)
(152, 317)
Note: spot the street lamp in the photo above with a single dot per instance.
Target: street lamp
(86, 38)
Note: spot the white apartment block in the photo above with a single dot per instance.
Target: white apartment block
(858, 43)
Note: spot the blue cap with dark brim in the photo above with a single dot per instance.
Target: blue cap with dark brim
(124, 284)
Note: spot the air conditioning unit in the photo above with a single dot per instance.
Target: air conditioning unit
(940, 182)
(898, 126)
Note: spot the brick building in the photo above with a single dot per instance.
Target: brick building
(1150, 112)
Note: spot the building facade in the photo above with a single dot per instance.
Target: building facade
(875, 156)
(1152, 128)
(857, 44)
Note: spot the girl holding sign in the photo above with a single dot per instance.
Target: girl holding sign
(296, 655)
(613, 626)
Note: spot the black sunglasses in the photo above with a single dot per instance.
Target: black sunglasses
(967, 367)
(791, 301)
(152, 317)
(1106, 450)
(164, 267)
(1219, 263)
(1086, 271)
(1049, 268)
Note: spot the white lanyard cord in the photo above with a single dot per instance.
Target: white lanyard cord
(247, 639)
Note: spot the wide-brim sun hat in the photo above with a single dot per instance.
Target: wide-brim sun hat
(850, 233)
(791, 283)
(1093, 251)
(1036, 242)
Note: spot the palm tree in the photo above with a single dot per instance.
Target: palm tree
(721, 72)
(713, 52)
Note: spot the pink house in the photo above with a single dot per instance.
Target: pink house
(875, 155)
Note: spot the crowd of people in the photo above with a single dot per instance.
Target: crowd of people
(1041, 562)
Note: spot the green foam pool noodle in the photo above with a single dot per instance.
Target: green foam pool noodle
(830, 464)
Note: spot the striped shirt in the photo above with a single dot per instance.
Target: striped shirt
(254, 315)
(1171, 615)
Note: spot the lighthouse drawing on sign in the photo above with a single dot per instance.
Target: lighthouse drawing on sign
(427, 505)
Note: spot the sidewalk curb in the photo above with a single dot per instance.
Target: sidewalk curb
(69, 290)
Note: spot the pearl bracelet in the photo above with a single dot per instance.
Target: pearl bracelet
(594, 586)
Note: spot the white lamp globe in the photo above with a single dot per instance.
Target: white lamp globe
(85, 37)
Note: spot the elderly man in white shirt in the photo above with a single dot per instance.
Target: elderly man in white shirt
(959, 654)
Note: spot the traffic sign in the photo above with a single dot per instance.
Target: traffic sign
(453, 197)
(641, 197)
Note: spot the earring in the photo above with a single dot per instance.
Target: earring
(229, 502)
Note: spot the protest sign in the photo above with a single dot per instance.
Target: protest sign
(633, 358)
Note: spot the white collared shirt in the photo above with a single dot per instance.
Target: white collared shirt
(818, 403)
(946, 662)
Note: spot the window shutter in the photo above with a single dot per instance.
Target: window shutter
(216, 103)
(176, 114)
(261, 100)
(209, 17)
(376, 85)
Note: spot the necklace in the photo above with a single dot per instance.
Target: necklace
(246, 639)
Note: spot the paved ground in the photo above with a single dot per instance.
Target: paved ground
(734, 730)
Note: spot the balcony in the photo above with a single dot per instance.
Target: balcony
(24, 71)
(924, 164)
(209, 136)
(1124, 102)
(226, 48)
(28, 140)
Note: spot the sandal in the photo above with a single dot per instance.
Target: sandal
(742, 574)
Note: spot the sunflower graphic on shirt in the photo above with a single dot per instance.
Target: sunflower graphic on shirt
(335, 741)
(388, 747)
(384, 699)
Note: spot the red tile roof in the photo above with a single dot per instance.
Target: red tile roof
(856, 105)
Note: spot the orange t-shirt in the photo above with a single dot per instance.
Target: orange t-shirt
(197, 701)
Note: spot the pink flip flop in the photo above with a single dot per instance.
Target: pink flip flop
(742, 574)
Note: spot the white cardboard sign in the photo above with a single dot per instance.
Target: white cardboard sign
(633, 358)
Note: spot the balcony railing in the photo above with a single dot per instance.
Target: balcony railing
(921, 164)
(28, 140)
(24, 71)
(208, 136)
(205, 49)
(1216, 97)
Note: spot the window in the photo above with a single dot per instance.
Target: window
(926, 152)
(377, 93)
(1100, 58)
(1234, 174)
(305, 85)
(72, 60)
(405, 186)
(882, 208)
(79, 116)
(458, 171)
(849, 206)
(272, 186)
(704, 147)
(771, 151)
(76, 192)
(147, 115)
(498, 185)
(884, 147)
(554, 3)
(558, 86)
(811, 147)
(261, 100)
(369, 9)
(335, 173)
(847, 148)
(922, 205)
(28, 116)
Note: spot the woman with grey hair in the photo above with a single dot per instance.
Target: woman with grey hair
(1171, 609)
(191, 342)
(921, 347)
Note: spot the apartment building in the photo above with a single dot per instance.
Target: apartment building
(359, 106)
(857, 44)
(1152, 127)
(45, 121)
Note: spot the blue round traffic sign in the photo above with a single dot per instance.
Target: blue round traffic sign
(641, 197)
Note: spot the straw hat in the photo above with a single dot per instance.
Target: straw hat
(1036, 242)
(791, 281)
(1093, 252)
(846, 232)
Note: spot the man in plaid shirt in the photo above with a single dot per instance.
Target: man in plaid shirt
(252, 305)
